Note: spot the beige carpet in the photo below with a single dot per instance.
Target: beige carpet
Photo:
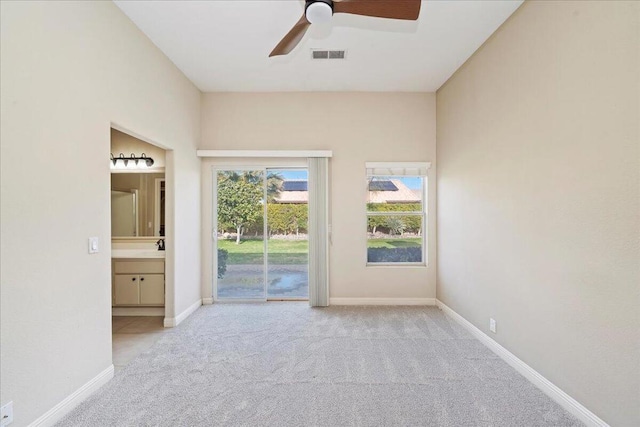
(285, 364)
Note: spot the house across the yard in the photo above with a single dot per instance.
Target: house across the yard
(380, 191)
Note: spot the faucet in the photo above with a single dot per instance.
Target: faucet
(160, 244)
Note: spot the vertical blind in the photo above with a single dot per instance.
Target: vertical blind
(397, 168)
(318, 186)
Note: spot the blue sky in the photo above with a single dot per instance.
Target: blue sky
(292, 174)
(411, 182)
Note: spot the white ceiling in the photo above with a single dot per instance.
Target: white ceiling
(224, 45)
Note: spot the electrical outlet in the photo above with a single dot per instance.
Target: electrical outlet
(93, 245)
(6, 414)
(492, 325)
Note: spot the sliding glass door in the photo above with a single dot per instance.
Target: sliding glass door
(288, 244)
(249, 205)
(239, 235)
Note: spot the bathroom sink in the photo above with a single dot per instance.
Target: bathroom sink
(137, 253)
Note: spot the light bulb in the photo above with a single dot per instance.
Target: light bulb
(144, 162)
(318, 12)
(132, 163)
(120, 163)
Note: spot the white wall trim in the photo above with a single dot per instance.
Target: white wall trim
(382, 301)
(55, 414)
(239, 301)
(396, 165)
(264, 153)
(207, 301)
(171, 322)
(137, 311)
(546, 386)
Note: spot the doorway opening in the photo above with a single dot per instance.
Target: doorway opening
(138, 285)
(260, 238)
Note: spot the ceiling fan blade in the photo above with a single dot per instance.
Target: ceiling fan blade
(292, 38)
(395, 9)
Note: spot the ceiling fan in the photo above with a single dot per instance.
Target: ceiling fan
(320, 11)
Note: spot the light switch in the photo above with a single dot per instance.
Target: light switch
(6, 414)
(93, 245)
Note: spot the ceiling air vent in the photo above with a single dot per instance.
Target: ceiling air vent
(327, 54)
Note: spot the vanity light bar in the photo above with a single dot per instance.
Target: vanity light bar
(131, 162)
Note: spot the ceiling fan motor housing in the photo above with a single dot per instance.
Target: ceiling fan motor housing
(318, 11)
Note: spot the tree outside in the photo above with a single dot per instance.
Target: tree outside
(239, 201)
(411, 223)
(287, 218)
(240, 198)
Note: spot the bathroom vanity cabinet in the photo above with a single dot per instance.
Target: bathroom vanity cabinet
(138, 282)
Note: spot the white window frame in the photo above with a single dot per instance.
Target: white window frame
(399, 170)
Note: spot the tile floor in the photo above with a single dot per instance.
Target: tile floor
(132, 335)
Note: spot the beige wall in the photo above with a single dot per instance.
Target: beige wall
(358, 127)
(68, 71)
(538, 197)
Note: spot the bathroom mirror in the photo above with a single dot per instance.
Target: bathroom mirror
(137, 204)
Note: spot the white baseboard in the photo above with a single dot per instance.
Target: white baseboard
(207, 301)
(547, 387)
(137, 311)
(55, 414)
(382, 301)
(171, 322)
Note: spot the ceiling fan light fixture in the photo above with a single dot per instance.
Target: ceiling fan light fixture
(318, 12)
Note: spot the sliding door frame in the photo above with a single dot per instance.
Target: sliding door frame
(265, 168)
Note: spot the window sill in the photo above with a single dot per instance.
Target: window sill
(398, 264)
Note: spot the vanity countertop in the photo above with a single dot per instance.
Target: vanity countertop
(137, 253)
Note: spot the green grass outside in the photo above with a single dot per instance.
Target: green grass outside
(283, 252)
(251, 251)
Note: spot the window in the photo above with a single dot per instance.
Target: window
(396, 213)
